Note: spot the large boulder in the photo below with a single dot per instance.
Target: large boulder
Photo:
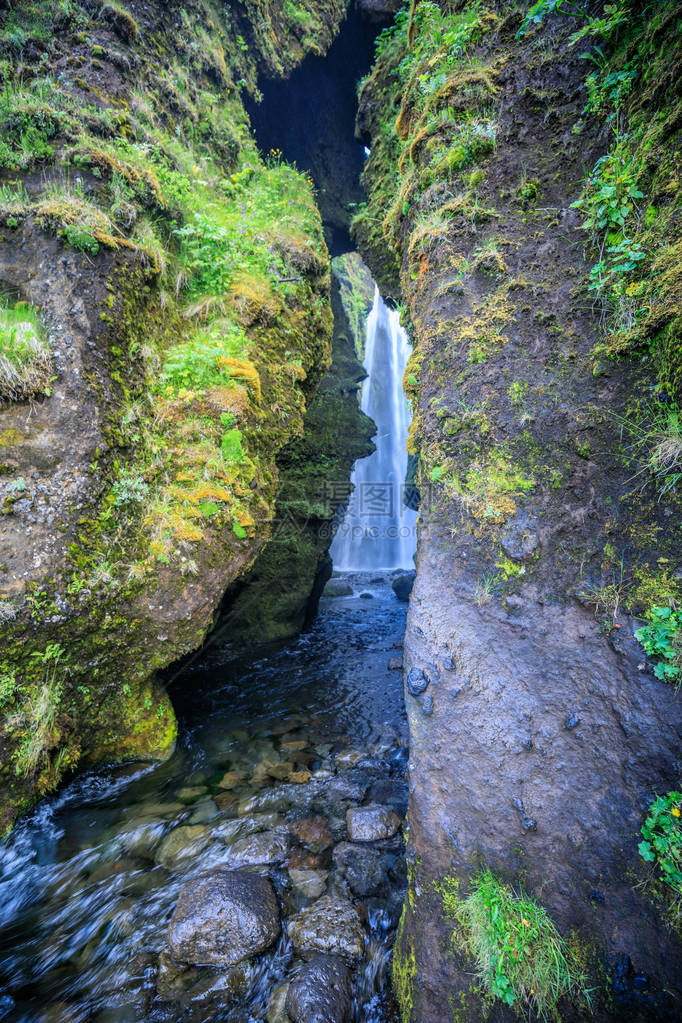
(321, 992)
(402, 585)
(330, 925)
(223, 918)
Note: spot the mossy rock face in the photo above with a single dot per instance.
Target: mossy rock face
(143, 481)
(280, 595)
(545, 523)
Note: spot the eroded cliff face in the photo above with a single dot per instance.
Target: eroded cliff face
(165, 294)
(545, 375)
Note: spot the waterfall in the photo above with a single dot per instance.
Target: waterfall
(378, 531)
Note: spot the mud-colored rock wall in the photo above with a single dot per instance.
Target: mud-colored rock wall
(544, 379)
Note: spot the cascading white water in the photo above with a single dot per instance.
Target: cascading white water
(378, 531)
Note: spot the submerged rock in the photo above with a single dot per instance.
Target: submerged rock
(321, 992)
(223, 918)
(310, 883)
(313, 832)
(330, 925)
(372, 823)
(277, 1012)
(183, 844)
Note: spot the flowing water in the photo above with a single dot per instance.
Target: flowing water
(378, 531)
(88, 881)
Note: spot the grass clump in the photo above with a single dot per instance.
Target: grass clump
(26, 367)
(38, 712)
(520, 955)
(662, 839)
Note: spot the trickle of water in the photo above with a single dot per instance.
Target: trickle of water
(378, 531)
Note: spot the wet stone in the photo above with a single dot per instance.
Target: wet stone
(310, 883)
(321, 992)
(223, 918)
(329, 925)
(258, 850)
(372, 823)
(242, 827)
(342, 787)
(361, 866)
(231, 779)
(313, 832)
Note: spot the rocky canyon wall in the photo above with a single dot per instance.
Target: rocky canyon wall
(166, 321)
(524, 201)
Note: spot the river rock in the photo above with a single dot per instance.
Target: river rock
(321, 992)
(338, 588)
(277, 1012)
(313, 832)
(330, 925)
(231, 779)
(342, 787)
(371, 823)
(310, 883)
(182, 845)
(258, 850)
(402, 585)
(348, 758)
(361, 866)
(223, 918)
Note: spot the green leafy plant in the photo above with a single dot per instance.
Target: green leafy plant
(662, 638)
(662, 839)
(521, 957)
(540, 10)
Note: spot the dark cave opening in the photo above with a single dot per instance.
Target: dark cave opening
(310, 117)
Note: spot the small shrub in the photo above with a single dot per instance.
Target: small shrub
(522, 959)
(662, 839)
(662, 638)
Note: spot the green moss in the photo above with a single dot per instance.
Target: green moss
(404, 971)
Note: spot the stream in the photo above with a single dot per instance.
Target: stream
(276, 745)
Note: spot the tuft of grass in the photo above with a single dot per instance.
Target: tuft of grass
(39, 712)
(26, 366)
(521, 957)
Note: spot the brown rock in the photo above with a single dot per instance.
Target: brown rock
(314, 833)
